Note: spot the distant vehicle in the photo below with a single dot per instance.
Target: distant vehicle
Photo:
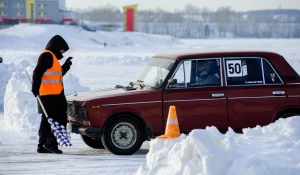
(245, 89)
(1, 60)
(89, 28)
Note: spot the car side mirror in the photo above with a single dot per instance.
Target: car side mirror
(172, 81)
(1, 59)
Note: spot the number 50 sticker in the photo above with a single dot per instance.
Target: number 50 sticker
(235, 68)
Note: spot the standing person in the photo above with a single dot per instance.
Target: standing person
(48, 84)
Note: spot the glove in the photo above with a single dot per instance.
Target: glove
(66, 66)
(35, 92)
(68, 62)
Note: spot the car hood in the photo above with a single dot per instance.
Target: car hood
(105, 93)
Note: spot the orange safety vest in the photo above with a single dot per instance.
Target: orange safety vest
(52, 81)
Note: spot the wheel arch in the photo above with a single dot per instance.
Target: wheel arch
(136, 116)
(281, 112)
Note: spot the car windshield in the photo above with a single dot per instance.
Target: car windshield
(155, 72)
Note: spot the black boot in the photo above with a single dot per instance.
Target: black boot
(51, 145)
(52, 150)
(42, 150)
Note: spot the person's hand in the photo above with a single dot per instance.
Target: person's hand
(68, 62)
(35, 92)
(66, 66)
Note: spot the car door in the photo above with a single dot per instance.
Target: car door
(254, 91)
(197, 106)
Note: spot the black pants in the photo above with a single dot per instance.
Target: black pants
(45, 133)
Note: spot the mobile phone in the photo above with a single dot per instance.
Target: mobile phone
(69, 59)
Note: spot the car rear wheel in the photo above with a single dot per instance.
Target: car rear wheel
(122, 135)
(93, 143)
(287, 114)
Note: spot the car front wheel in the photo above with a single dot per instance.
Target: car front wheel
(93, 143)
(122, 135)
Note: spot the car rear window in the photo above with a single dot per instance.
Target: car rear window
(250, 71)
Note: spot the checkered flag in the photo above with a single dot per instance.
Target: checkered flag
(63, 137)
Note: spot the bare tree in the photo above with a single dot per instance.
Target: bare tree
(206, 14)
(222, 17)
(191, 9)
(106, 13)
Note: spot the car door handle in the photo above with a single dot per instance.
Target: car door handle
(278, 92)
(217, 95)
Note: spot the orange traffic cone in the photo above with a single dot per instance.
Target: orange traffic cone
(172, 128)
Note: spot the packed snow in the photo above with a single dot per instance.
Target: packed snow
(272, 149)
(268, 150)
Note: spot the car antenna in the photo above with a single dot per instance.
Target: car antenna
(75, 93)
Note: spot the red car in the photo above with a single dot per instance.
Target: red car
(221, 89)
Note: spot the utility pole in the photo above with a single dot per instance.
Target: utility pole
(279, 18)
(19, 5)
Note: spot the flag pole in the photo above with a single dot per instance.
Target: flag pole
(37, 96)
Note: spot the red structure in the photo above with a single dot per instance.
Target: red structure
(68, 20)
(130, 16)
(39, 20)
(11, 19)
(42, 20)
(130, 20)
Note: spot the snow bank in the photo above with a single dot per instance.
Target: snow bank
(6, 71)
(273, 149)
(33, 35)
(20, 106)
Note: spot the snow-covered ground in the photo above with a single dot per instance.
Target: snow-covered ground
(269, 150)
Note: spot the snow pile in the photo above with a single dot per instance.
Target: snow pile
(20, 106)
(6, 71)
(273, 149)
(33, 35)
(72, 85)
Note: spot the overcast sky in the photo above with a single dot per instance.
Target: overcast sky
(170, 5)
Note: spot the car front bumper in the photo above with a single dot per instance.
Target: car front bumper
(79, 129)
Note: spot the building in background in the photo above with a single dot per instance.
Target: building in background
(35, 11)
(130, 18)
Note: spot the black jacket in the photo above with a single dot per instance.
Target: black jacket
(45, 61)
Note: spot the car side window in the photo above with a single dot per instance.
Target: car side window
(271, 77)
(244, 71)
(205, 72)
(179, 75)
(187, 71)
(193, 73)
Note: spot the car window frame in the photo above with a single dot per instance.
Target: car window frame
(196, 59)
(251, 57)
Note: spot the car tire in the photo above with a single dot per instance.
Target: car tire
(287, 114)
(122, 135)
(93, 143)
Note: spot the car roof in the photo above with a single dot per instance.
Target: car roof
(216, 54)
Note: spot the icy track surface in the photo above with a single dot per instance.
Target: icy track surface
(18, 156)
